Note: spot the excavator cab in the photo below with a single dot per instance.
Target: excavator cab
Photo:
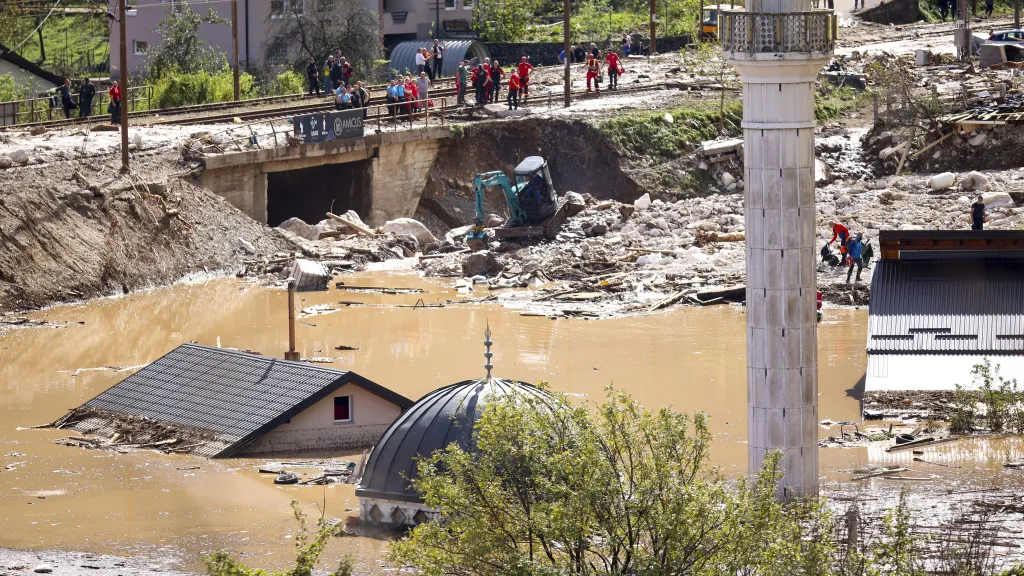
(534, 191)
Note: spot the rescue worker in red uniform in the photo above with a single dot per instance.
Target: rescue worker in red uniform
(614, 69)
(513, 91)
(593, 66)
(841, 232)
(524, 77)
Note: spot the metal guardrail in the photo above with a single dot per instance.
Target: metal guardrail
(33, 110)
(799, 32)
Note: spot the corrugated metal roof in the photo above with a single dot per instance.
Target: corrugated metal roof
(235, 396)
(441, 417)
(952, 307)
(403, 57)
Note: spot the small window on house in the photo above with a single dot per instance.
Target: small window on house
(296, 7)
(140, 47)
(449, 4)
(468, 4)
(276, 8)
(342, 408)
(277, 54)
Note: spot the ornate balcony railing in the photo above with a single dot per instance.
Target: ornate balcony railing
(800, 32)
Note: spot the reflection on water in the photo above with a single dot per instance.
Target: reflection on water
(692, 359)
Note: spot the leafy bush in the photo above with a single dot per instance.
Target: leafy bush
(288, 82)
(965, 411)
(175, 88)
(10, 89)
(307, 553)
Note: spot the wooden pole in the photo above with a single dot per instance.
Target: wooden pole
(567, 82)
(291, 354)
(653, 48)
(123, 17)
(234, 40)
(1016, 14)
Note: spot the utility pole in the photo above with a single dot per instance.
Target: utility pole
(1016, 14)
(653, 48)
(122, 18)
(566, 12)
(234, 40)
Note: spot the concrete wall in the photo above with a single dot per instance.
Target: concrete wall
(401, 162)
(387, 510)
(315, 429)
(25, 78)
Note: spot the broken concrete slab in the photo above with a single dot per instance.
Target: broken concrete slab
(309, 275)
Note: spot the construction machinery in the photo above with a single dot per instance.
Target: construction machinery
(533, 207)
(709, 19)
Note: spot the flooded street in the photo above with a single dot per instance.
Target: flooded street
(181, 507)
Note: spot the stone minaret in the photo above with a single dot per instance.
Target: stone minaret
(778, 47)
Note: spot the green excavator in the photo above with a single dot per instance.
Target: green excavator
(533, 205)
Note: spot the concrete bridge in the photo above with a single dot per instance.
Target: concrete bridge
(380, 176)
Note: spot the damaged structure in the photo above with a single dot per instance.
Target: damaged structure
(217, 403)
(942, 302)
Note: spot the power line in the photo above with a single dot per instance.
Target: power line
(20, 44)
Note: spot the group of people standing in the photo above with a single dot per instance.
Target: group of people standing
(486, 79)
(86, 92)
(337, 72)
(430, 61)
(851, 248)
(408, 95)
(593, 63)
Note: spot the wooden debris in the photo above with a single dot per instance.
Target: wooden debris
(359, 228)
(667, 301)
(879, 474)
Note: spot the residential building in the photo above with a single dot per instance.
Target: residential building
(217, 403)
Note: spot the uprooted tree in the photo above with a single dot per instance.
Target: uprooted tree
(300, 31)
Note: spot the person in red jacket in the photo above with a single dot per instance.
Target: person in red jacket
(524, 70)
(593, 66)
(513, 91)
(614, 69)
(115, 104)
(841, 232)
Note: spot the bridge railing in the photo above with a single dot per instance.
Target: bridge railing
(270, 134)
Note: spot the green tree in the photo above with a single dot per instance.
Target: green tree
(303, 32)
(897, 552)
(553, 488)
(181, 49)
(503, 20)
(10, 89)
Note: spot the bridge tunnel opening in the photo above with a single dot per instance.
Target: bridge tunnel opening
(309, 193)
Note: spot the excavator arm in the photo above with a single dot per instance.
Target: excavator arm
(481, 184)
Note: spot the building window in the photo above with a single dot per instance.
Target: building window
(449, 4)
(276, 8)
(277, 54)
(296, 7)
(140, 47)
(342, 408)
(467, 4)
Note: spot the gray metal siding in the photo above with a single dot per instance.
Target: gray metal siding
(964, 307)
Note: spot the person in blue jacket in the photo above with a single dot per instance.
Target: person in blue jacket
(853, 252)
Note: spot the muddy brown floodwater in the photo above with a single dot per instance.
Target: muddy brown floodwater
(181, 507)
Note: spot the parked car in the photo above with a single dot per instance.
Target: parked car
(1012, 36)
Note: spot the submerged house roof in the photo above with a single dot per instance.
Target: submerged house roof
(219, 400)
(440, 418)
(931, 320)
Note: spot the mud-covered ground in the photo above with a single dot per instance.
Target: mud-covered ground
(64, 563)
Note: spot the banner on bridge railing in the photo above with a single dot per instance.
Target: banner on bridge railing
(339, 125)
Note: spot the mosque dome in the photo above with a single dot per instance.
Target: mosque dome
(441, 417)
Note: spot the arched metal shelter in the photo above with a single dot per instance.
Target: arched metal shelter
(403, 57)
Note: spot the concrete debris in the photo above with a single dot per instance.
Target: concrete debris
(978, 139)
(309, 275)
(300, 228)
(997, 200)
(480, 263)
(728, 179)
(975, 181)
(643, 202)
(408, 226)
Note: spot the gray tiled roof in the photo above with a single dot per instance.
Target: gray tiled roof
(233, 395)
(947, 306)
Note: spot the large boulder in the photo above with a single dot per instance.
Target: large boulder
(19, 157)
(643, 202)
(997, 200)
(575, 203)
(414, 228)
(300, 228)
(974, 181)
(482, 263)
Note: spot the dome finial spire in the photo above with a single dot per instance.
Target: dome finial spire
(487, 354)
